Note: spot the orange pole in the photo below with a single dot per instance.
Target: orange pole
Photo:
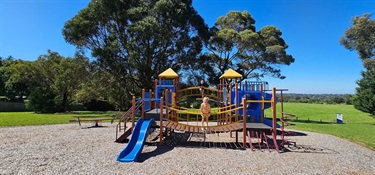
(161, 121)
(133, 112)
(244, 121)
(274, 110)
(143, 104)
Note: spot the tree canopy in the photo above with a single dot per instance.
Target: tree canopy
(50, 73)
(364, 99)
(14, 87)
(236, 44)
(361, 37)
(135, 40)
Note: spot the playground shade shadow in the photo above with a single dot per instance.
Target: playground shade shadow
(197, 140)
(158, 151)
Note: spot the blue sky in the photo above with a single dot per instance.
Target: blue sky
(311, 28)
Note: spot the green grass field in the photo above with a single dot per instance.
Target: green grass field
(30, 118)
(358, 127)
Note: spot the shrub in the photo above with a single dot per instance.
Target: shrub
(99, 105)
(41, 100)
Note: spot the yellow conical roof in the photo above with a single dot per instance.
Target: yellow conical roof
(169, 73)
(230, 73)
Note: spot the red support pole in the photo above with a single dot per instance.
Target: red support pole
(250, 143)
(154, 96)
(150, 97)
(143, 104)
(166, 103)
(262, 110)
(282, 118)
(161, 121)
(133, 112)
(229, 91)
(237, 98)
(274, 111)
(237, 95)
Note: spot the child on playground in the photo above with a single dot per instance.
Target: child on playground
(205, 110)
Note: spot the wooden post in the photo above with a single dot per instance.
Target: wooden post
(166, 103)
(274, 111)
(244, 122)
(229, 101)
(281, 103)
(133, 112)
(143, 104)
(173, 99)
(173, 104)
(150, 96)
(161, 121)
(155, 92)
(237, 98)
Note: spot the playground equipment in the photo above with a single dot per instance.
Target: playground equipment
(135, 145)
(96, 121)
(240, 108)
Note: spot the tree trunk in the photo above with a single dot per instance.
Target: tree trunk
(64, 102)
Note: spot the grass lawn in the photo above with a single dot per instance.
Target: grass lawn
(31, 118)
(358, 127)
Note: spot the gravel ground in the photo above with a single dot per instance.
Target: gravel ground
(70, 149)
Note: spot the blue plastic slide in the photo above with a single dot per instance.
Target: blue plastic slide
(134, 147)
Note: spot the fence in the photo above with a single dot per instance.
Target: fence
(12, 107)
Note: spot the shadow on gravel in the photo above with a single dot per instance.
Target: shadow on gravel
(292, 133)
(310, 149)
(313, 121)
(158, 151)
(197, 140)
(90, 127)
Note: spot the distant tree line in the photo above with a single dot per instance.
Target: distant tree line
(318, 98)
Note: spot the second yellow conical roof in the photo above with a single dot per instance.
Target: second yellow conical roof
(230, 73)
(169, 73)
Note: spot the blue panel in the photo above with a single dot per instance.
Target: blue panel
(147, 101)
(269, 123)
(253, 108)
(224, 95)
(161, 88)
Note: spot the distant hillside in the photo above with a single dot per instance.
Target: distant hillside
(318, 98)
